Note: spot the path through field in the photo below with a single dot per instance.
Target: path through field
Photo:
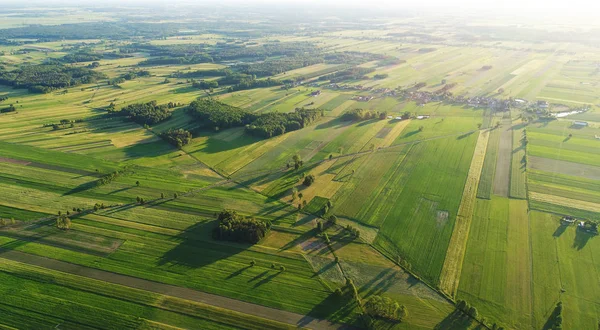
(502, 176)
(175, 291)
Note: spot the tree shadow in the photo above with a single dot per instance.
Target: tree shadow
(581, 239)
(81, 188)
(460, 137)
(196, 248)
(550, 322)
(333, 123)
(455, 321)
(266, 279)
(323, 270)
(333, 308)
(559, 231)
(302, 238)
(255, 278)
(409, 134)
(370, 286)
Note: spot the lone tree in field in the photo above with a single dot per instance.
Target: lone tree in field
(421, 128)
(309, 180)
(137, 183)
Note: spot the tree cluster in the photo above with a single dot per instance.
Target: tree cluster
(81, 57)
(308, 180)
(44, 78)
(385, 308)
(353, 73)
(276, 66)
(237, 228)
(178, 138)
(361, 114)
(10, 108)
(146, 113)
(205, 84)
(276, 123)
(129, 76)
(202, 73)
(217, 115)
(63, 222)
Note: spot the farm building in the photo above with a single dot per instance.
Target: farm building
(423, 117)
(316, 93)
(567, 220)
(580, 123)
(542, 104)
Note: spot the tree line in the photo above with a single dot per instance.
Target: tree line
(44, 78)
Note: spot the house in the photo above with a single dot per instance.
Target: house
(580, 123)
(423, 117)
(567, 220)
(316, 93)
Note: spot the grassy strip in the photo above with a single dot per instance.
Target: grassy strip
(455, 254)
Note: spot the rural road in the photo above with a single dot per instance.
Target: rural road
(175, 291)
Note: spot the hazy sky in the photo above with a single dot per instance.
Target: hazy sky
(583, 8)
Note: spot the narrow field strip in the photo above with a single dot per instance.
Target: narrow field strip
(450, 276)
(563, 201)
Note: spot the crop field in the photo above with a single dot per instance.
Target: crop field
(497, 270)
(556, 269)
(486, 181)
(449, 184)
(453, 262)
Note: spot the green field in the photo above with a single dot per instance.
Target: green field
(141, 250)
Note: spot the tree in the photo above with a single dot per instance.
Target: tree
(309, 180)
(473, 312)
(300, 195)
(175, 195)
(137, 183)
(252, 263)
(282, 268)
(162, 195)
(332, 219)
(330, 156)
(479, 126)
(421, 128)
(461, 305)
(63, 223)
(320, 226)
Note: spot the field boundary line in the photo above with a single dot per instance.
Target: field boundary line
(452, 268)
